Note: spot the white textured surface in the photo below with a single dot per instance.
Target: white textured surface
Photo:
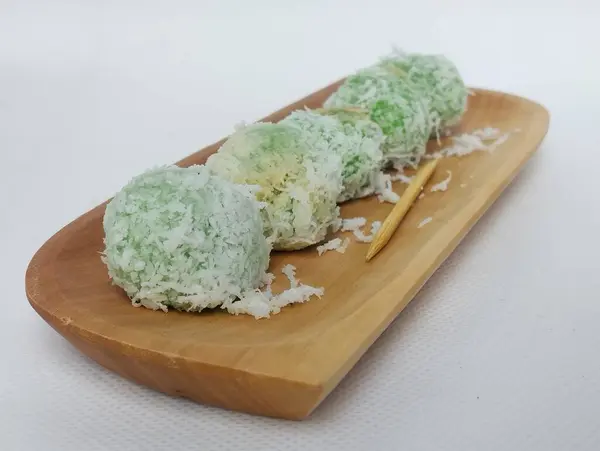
(498, 352)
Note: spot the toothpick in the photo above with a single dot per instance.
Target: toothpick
(393, 220)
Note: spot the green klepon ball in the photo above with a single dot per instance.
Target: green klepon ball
(400, 111)
(436, 78)
(186, 239)
(297, 184)
(355, 138)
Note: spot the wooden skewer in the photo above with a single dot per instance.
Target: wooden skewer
(393, 220)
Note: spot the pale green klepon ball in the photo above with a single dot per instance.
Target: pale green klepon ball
(355, 138)
(298, 185)
(400, 111)
(186, 239)
(437, 79)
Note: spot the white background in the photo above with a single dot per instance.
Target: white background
(498, 352)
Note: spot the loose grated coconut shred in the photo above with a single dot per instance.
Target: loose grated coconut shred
(424, 222)
(355, 226)
(336, 244)
(443, 185)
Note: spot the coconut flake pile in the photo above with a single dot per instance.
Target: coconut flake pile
(263, 304)
(486, 139)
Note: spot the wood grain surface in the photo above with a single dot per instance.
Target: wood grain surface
(284, 366)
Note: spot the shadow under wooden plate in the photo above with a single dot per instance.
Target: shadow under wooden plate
(284, 366)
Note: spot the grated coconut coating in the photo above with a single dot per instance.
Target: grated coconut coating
(182, 238)
(299, 186)
(356, 139)
(400, 111)
(437, 79)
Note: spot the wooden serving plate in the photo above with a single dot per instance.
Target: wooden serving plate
(283, 366)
